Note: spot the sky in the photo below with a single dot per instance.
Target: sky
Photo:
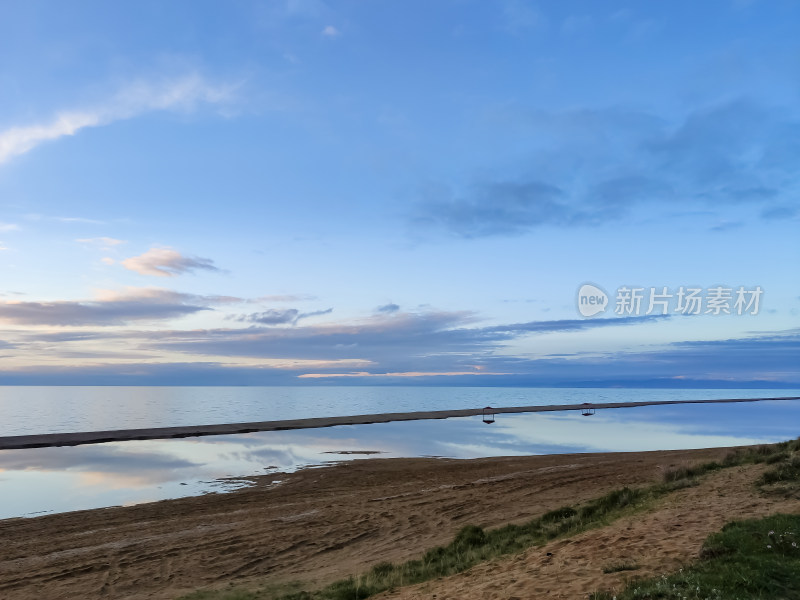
(402, 193)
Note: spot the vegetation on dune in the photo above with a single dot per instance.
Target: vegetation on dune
(473, 545)
(747, 560)
(617, 567)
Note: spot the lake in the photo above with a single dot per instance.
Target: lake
(44, 480)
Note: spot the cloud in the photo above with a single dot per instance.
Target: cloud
(395, 342)
(8, 227)
(388, 308)
(166, 262)
(726, 226)
(404, 374)
(316, 313)
(101, 242)
(497, 208)
(424, 347)
(331, 32)
(573, 324)
(761, 361)
(272, 316)
(586, 167)
(779, 212)
(67, 336)
(161, 294)
(135, 99)
(275, 316)
(767, 360)
(79, 220)
(284, 298)
(108, 308)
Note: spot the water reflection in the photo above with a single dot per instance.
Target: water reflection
(33, 410)
(63, 479)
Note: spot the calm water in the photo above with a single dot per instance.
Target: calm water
(61, 479)
(27, 410)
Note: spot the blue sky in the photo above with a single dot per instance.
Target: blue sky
(305, 192)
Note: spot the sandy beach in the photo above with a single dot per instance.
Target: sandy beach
(321, 524)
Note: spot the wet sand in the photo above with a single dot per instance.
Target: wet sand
(324, 523)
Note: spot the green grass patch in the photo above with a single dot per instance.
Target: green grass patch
(617, 567)
(689, 472)
(784, 478)
(747, 560)
(787, 470)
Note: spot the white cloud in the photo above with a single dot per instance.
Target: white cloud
(133, 100)
(331, 32)
(8, 227)
(78, 220)
(102, 242)
(166, 262)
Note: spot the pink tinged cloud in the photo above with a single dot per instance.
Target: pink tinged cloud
(166, 262)
(400, 374)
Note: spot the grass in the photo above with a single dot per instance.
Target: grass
(275, 590)
(473, 545)
(787, 470)
(617, 567)
(747, 560)
(784, 477)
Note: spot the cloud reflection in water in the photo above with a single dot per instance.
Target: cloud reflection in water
(73, 478)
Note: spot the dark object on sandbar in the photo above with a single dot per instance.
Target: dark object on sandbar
(587, 410)
(488, 415)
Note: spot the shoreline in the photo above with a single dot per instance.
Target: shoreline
(49, 440)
